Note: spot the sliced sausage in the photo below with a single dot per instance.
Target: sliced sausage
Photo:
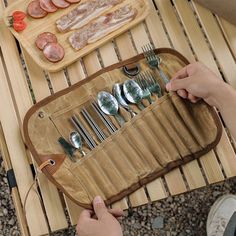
(54, 52)
(47, 6)
(73, 1)
(35, 11)
(61, 3)
(45, 38)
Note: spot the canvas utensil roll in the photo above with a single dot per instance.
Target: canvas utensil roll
(168, 133)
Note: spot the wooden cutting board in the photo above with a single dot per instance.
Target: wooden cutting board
(47, 24)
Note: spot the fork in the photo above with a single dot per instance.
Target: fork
(153, 85)
(140, 79)
(154, 61)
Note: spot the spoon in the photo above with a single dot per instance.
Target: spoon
(133, 93)
(110, 106)
(76, 141)
(116, 90)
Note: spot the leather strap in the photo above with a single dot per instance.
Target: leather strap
(46, 163)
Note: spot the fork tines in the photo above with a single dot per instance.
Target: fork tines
(148, 50)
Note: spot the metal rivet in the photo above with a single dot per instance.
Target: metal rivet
(41, 114)
(52, 162)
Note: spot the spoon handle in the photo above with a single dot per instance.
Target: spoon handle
(133, 114)
(120, 119)
(82, 152)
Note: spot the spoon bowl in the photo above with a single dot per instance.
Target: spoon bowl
(76, 141)
(133, 93)
(117, 92)
(110, 106)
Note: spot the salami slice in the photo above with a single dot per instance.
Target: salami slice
(61, 3)
(54, 52)
(35, 11)
(45, 38)
(73, 1)
(47, 6)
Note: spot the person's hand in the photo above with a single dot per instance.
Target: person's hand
(196, 81)
(105, 224)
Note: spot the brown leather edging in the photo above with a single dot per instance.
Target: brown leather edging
(150, 177)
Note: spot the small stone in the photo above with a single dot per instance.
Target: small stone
(188, 231)
(11, 222)
(158, 223)
(5, 211)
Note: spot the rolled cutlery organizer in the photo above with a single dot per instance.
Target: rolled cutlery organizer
(168, 133)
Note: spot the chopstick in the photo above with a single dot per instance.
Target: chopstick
(93, 125)
(104, 119)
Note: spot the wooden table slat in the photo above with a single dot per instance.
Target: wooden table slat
(175, 182)
(227, 156)
(156, 190)
(174, 29)
(14, 191)
(49, 193)
(75, 72)
(155, 27)
(229, 31)
(37, 78)
(195, 35)
(193, 175)
(58, 81)
(211, 168)
(218, 44)
(34, 214)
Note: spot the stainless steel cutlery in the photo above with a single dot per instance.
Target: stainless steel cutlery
(93, 125)
(109, 105)
(133, 91)
(154, 61)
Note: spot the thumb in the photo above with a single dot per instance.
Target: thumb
(177, 84)
(99, 207)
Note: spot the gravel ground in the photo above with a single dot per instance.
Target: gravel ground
(183, 215)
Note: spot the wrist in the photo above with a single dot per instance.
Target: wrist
(221, 94)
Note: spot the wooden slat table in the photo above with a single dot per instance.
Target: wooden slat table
(180, 24)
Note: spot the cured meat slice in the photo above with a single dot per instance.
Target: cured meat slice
(54, 52)
(35, 11)
(45, 38)
(84, 13)
(102, 26)
(47, 6)
(73, 1)
(61, 3)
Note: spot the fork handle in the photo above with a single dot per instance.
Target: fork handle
(163, 76)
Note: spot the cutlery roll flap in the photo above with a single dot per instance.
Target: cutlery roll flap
(166, 134)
